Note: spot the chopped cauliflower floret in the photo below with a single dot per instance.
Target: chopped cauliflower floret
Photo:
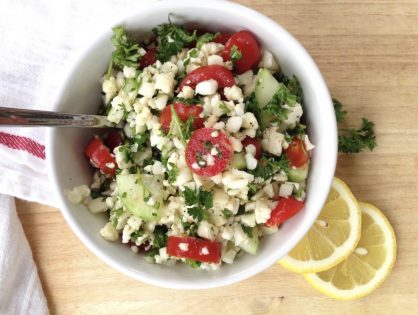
(129, 72)
(262, 211)
(97, 205)
(208, 87)
(215, 60)
(272, 141)
(234, 124)
(109, 233)
(147, 89)
(207, 230)
(293, 116)
(188, 92)
(165, 82)
(77, 194)
(233, 93)
(268, 61)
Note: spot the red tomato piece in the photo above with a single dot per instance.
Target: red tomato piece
(296, 152)
(222, 75)
(245, 42)
(256, 143)
(222, 38)
(100, 156)
(149, 58)
(198, 152)
(285, 209)
(194, 248)
(184, 112)
(113, 139)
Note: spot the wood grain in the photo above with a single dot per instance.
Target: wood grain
(368, 53)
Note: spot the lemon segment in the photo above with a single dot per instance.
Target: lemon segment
(333, 236)
(367, 266)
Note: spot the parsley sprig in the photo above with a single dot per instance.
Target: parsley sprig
(198, 202)
(126, 51)
(173, 38)
(351, 140)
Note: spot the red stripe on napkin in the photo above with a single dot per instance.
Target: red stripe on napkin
(23, 143)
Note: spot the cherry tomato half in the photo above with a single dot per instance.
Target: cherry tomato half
(194, 248)
(222, 38)
(285, 209)
(113, 139)
(296, 152)
(256, 143)
(208, 152)
(149, 58)
(184, 112)
(222, 75)
(245, 42)
(100, 156)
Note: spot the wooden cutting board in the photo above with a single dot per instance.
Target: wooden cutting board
(368, 53)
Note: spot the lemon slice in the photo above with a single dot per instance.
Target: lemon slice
(367, 267)
(333, 236)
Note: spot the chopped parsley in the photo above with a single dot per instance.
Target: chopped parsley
(126, 51)
(252, 187)
(275, 107)
(227, 213)
(193, 263)
(268, 166)
(356, 140)
(190, 228)
(351, 140)
(160, 237)
(235, 54)
(247, 230)
(224, 108)
(137, 234)
(294, 87)
(172, 173)
(173, 39)
(198, 202)
(339, 112)
(205, 38)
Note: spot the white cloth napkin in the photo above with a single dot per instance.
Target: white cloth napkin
(38, 39)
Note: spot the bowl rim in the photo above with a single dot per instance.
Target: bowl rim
(227, 7)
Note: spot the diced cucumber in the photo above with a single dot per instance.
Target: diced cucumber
(132, 192)
(238, 161)
(267, 86)
(299, 174)
(251, 245)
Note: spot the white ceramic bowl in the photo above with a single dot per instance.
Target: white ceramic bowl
(80, 93)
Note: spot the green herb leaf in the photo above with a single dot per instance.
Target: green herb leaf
(339, 112)
(276, 105)
(187, 101)
(137, 234)
(235, 54)
(351, 140)
(268, 166)
(205, 38)
(193, 263)
(356, 140)
(227, 213)
(197, 201)
(172, 173)
(173, 39)
(247, 230)
(294, 87)
(224, 108)
(160, 237)
(126, 51)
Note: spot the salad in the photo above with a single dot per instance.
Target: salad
(212, 155)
